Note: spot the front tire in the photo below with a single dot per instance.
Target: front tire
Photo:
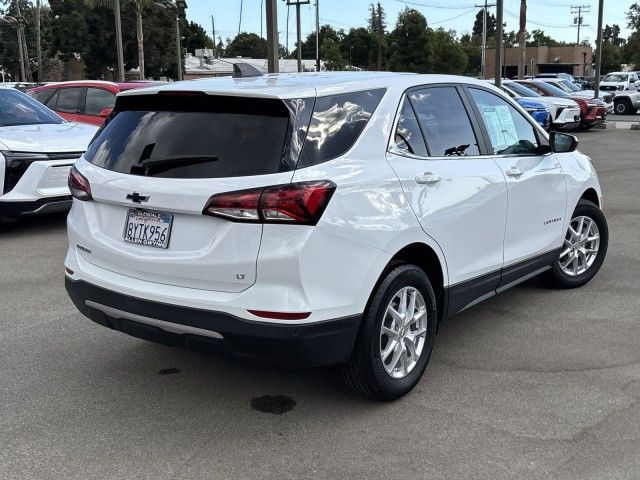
(584, 248)
(396, 337)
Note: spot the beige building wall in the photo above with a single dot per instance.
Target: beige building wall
(574, 59)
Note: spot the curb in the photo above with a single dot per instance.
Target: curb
(622, 125)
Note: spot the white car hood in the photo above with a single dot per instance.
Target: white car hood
(47, 138)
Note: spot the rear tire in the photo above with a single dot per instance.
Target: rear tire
(623, 107)
(577, 264)
(371, 374)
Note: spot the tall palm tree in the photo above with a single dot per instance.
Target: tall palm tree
(138, 7)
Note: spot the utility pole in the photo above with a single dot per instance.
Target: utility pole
(317, 35)
(578, 19)
(522, 40)
(213, 30)
(22, 42)
(483, 61)
(116, 10)
(297, 4)
(21, 53)
(240, 20)
(39, 44)
(596, 89)
(499, 41)
(261, 11)
(272, 37)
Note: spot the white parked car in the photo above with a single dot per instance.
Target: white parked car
(565, 113)
(37, 149)
(320, 219)
(620, 82)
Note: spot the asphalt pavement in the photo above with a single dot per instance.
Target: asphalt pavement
(532, 384)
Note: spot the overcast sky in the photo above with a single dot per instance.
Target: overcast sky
(552, 16)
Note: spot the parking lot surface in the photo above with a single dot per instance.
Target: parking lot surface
(532, 384)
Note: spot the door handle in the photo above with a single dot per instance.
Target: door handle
(514, 172)
(427, 178)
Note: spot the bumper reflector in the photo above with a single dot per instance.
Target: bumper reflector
(280, 315)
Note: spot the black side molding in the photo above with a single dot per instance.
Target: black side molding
(468, 293)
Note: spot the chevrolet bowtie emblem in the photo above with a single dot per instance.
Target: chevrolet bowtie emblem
(135, 197)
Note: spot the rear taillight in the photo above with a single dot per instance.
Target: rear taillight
(79, 185)
(299, 203)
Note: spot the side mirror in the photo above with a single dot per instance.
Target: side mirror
(562, 142)
(106, 112)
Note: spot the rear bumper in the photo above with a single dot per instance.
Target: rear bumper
(18, 208)
(315, 344)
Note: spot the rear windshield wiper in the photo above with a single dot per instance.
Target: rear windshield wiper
(160, 165)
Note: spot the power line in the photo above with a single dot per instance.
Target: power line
(578, 19)
(437, 6)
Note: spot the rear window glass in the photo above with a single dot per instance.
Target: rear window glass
(211, 137)
(336, 124)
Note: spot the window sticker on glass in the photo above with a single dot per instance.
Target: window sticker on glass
(499, 122)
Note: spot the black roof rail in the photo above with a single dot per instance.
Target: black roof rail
(243, 70)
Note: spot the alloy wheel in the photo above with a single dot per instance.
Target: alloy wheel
(403, 332)
(581, 246)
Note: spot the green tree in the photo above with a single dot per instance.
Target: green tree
(332, 56)
(377, 28)
(195, 37)
(358, 46)
(538, 38)
(474, 55)
(445, 54)
(477, 25)
(408, 43)
(631, 53)
(327, 32)
(247, 45)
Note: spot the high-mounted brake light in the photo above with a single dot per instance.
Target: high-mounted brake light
(300, 203)
(79, 185)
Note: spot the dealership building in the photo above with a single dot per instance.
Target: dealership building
(574, 59)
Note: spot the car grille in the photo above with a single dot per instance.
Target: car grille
(607, 88)
(17, 163)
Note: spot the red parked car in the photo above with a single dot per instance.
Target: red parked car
(592, 110)
(85, 101)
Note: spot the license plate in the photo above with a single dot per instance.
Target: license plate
(151, 229)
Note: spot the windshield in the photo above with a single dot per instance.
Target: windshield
(522, 90)
(16, 108)
(616, 77)
(571, 87)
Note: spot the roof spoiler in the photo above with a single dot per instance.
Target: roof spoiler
(243, 70)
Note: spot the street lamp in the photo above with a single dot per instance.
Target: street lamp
(179, 6)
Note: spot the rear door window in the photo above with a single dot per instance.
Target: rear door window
(444, 121)
(69, 100)
(195, 137)
(408, 137)
(336, 124)
(97, 100)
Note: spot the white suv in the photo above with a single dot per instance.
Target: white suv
(37, 149)
(320, 219)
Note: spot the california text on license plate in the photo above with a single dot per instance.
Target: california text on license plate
(148, 228)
